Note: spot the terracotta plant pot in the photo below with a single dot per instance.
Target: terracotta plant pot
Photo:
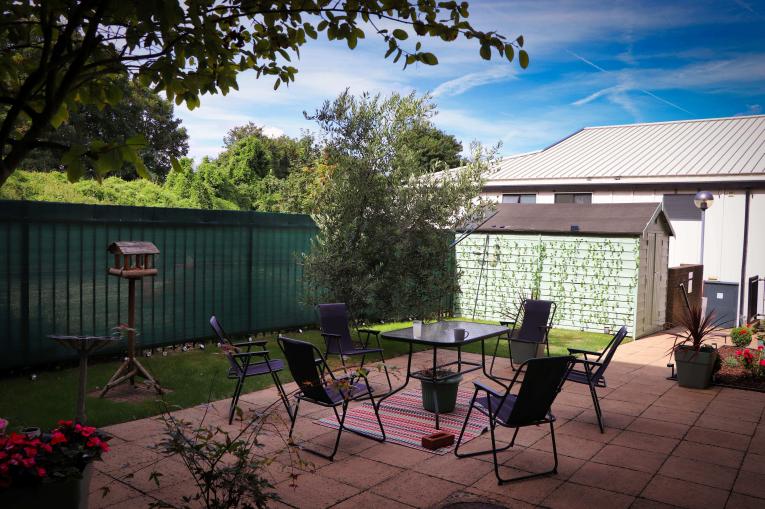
(694, 369)
(69, 494)
(445, 392)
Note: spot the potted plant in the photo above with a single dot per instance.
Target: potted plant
(49, 469)
(442, 393)
(695, 360)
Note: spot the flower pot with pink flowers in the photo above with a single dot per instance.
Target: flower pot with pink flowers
(50, 469)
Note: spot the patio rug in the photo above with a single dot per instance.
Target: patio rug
(406, 422)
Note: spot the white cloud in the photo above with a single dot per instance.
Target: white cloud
(460, 85)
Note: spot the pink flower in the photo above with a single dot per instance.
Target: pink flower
(738, 352)
(761, 348)
(762, 362)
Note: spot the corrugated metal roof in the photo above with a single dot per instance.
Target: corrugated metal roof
(597, 219)
(726, 147)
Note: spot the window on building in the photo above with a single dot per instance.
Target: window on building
(680, 207)
(578, 198)
(519, 198)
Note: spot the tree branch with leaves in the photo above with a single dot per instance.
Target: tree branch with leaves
(55, 56)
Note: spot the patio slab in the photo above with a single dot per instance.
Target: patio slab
(664, 447)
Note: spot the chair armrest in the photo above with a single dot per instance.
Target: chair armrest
(506, 323)
(329, 334)
(259, 342)
(588, 364)
(369, 331)
(261, 353)
(573, 351)
(482, 387)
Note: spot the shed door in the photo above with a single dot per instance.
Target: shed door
(650, 302)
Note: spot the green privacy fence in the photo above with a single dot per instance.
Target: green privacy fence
(242, 266)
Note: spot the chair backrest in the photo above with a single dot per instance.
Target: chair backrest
(333, 319)
(301, 358)
(610, 350)
(218, 329)
(537, 314)
(542, 382)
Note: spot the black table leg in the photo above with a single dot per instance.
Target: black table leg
(435, 393)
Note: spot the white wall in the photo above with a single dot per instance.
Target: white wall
(724, 231)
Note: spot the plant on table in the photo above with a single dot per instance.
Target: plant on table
(741, 336)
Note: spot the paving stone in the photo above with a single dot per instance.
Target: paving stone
(699, 472)
(416, 489)
(371, 500)
(360, 472)
(657, 427)
(739, 501)
(718, 438)
(709, 453)
(685, 494)
(646, 442)
(463, 471)
(621, 480)
(644, 461)
(577, 496)
(313, 490)
(750, 483)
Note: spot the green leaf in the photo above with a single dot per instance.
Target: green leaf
(72, 159)
(519, 40)
(509, 52)
(60, 116)
(429, 59)
(523, 58)
(401, 35)
(485, 52)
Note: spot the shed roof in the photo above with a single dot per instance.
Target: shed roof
(629, 219)
(726, 148)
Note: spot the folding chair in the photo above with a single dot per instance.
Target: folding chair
(532, 324)
(333, 322)
(241, 365)
(600, 363)
(308, 365)
(542, 382)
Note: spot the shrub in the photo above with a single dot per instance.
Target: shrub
(741, 336)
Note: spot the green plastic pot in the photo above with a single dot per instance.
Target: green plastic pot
(694, 369)
(521, 351)
(68, 494)
(444, 391)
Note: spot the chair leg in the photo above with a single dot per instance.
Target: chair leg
(385, 367)
(282, 393)
(554, 470)
(331, 456)
(235, 399)
(293, 417)
(596, 405)
(462, 433)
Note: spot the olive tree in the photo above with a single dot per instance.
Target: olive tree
(56, 55)
(385, 222)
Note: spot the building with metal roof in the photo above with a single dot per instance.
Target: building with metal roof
(668, 163)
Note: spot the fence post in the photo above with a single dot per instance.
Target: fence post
(25, 287)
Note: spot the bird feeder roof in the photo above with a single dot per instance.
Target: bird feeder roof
(132, 247)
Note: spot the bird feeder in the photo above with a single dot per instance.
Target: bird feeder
(133, 260)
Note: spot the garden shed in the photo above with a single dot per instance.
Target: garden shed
(605, 265)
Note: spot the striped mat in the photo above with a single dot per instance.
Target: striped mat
(406, 422)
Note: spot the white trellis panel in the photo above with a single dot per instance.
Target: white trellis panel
(593, 280)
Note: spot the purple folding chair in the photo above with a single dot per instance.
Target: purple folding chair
(532, 324)
(308, 367)
(333, 322)
(242, 365)
(594, 369)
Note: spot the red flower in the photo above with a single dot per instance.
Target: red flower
(58, 438)
(65, 423)
(738, 352)
(762, 362)
(31, 452)
(761, 348)
(41, 472)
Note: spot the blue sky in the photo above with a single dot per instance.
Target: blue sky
(592, 63)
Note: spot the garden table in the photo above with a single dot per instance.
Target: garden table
(84, 345)
(441, 335)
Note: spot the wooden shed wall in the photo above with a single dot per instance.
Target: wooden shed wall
(651, 312)
(593, 280)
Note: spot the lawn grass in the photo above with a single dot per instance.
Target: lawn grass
(193, 377)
